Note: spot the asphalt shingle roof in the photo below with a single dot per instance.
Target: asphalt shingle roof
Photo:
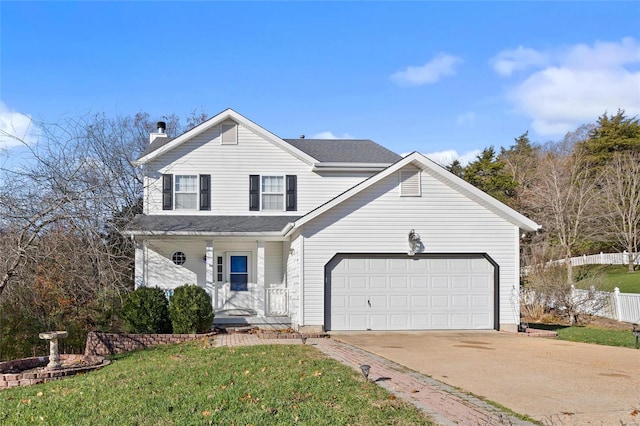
(345, 150)
(213, 224)
(156, 144)
(323, 150)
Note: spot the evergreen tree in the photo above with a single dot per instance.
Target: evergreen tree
(487, 173)
(612, 134)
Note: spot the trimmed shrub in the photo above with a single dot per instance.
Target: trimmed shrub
(191, 310)
(146, 310)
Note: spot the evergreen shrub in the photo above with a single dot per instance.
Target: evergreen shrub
(146, 311)
(191, 310)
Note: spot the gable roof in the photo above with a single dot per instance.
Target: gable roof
(320, 153)
(345, 150)
(422, 162)
(155, 150)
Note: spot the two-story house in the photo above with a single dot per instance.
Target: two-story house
(323, 234)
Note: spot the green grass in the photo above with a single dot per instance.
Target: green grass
(192, 384)
(615, 276)
(599, 336)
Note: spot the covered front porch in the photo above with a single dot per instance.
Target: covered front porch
(245, 278)
(245, 263)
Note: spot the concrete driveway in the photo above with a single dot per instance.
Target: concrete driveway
(553, 381)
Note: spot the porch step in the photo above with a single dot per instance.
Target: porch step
(536, 332)
(237, 328)
(289, 334)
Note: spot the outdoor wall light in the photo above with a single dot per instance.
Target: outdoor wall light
(415, 245)
(365, 371)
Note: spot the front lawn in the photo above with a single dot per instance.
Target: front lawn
(600, 336)
(614, 276)
(192, 384)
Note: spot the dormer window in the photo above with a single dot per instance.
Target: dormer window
(229, 133)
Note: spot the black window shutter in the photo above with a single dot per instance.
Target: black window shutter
(167, 192)
(205, 192)
(254, 192)
(292, 194)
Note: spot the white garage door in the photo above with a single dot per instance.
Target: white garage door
(401, 293)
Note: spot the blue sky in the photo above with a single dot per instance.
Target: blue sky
(432, 77)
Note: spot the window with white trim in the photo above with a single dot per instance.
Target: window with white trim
(186, 192)
(272, 193)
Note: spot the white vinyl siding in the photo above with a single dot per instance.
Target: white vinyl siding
(229, 166)
(378, 221)
(186, 192)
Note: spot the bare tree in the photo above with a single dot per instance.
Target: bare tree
(547, 290)
(561, 198)
(63, 205)
(620, 202)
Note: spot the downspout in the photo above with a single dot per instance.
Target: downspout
(301, 278)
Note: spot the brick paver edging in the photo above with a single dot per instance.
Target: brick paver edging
(443, 403)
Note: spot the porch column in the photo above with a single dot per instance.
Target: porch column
(261, 289)
(140, 262)
(209, 273)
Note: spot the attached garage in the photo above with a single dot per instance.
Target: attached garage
(421, 292)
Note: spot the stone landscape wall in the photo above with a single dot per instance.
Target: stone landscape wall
(103, 344)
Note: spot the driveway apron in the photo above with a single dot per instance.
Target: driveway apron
(552, 381)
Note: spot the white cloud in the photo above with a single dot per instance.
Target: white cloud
(508, 61)
(441, 65)
(445, 158)
(578, 84)
(329, 135)
(468, 118)
(15, 128)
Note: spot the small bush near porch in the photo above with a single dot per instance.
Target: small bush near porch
(192, 383)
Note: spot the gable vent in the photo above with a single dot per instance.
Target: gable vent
(410, 182)
(229, 133)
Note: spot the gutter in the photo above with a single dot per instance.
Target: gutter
(341, 167)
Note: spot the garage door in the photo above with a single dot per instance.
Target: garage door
(410, 293)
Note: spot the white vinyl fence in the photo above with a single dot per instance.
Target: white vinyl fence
(593, 259)
(616, 306)
(603, 259)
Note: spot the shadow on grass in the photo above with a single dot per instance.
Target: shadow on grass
(550, 327)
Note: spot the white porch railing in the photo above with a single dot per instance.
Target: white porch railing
(277, 301)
